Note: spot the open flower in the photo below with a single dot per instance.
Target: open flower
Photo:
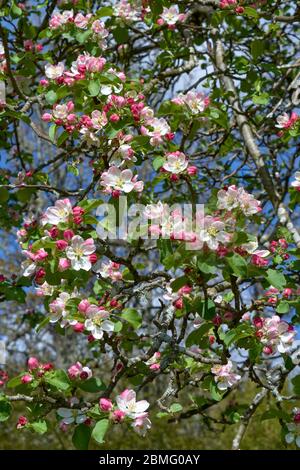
(127, 403)
(110, 270)
(296, 183)
(79, 253)
(60, 212)
(213, 232)
(58, 307)
(122, 180)
(54, 71)
(176, 162)
(171, 15)
(224, 376)
(97, 322)
(141, 424)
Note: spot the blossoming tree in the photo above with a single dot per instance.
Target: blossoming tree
(152, 105)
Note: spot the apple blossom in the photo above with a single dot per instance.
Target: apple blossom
(122, 180)
(224, 376)
(97, 321)
(171, 15)
(59, 213)
(54, 71)
(275, 334)
(127, 403)
(176, 162)
(79, 251)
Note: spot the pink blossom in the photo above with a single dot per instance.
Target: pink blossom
(63, 264)
(77, 371)
(224, 376)
(105, 404)
(33, 363)
(26, 379)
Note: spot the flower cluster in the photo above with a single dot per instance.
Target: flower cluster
(82, 22)
(128, 409)
(233, 198)
(177, 163)
(224, 376)
(195, 101)
(275, 334)
(36, 370)
(79, 372)
(171, 16)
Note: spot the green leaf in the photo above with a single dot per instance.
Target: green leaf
(15, 381)
(39, 426)
(92, 385)
(121, 35)
(262, 98)
(104, 11)
(52, 131)
(238, 265)
(51, 97)
(249, 11)
(296, 384)
(58, 379)
(132, 316)
(276, 279)
(158, 163)
(5, 409)
(283, 307)
(196, 336)
(175, 408)
(257, 48)
(99, 431)
(81, 437)
(15, 10)
(94, 87)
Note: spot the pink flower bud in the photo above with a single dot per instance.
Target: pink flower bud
(44, 82)
(22, 421)
(160, 22)
(239, 10)
(114, 118)
(287, 292)
(26, 379)
(174, 177)
(91, 338)
(211, 339)
(63, 264)
(297, 418)
(53, 232)
(40, 274)
(83, 306)
(185, 290)
(116, 193)
(78, 219)
(61, 245)
(258, 322)
(48, 366)
(105, 404)
(113, 303)
(68, 234)
(268, 350)
(32, 363)
(93, 258)
(192, 170)
(154, 367)
(78, 327)
(77, 210)
(178, 303)
(118, 416)
(217, 320)
(47, 117)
